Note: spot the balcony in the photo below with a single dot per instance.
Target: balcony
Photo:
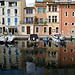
(59, 1)
(2, 3)
(26, 22)
(12, 4)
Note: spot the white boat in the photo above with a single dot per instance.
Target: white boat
(10, 38)
(2, 39)
(58, 38)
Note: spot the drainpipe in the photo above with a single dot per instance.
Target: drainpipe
(61, 18)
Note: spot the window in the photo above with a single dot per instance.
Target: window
(23, 29)
(12, 4)
(72, 24)
(66, 14)
(29, 20)
(15, 21)
(54, 8)
(45, 29)
(72, 13)
(2, 11)
(65, 50)
(41, 20)
(23, 44)
(8, 12)
(26, 11)
(44, 10)
(66, 24)
(71, 59)
(65, 58)
(8, 21)
(67, 6)
(1, 3)
(57, 29)
(41, 10)
(49, 8)
(49, 19)
(15, 11)
(72, 50)
(31, 10)
(37, 29)
(3, 21)
(54, 19)
(0, 30)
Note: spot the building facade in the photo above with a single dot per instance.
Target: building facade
(52, 17)
(67, 18)
(40, 18)
(10, 16)
(27, 26)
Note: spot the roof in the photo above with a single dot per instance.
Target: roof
(29, 8)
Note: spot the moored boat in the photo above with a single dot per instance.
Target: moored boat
(45, 39)
(58, 38)
(33, 38)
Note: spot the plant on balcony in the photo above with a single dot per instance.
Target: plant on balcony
(36, 20)
(45, 22)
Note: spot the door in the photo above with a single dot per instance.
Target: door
(50, 30)
(28, 29)
(12, 31)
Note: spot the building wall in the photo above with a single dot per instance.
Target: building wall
(65, 55)
(67, 30)
(25, 24)
(51, 24)
(12, 15)
(40, 15)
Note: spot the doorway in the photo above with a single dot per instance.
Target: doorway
(28, 29)
(50, 30)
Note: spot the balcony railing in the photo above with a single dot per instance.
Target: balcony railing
(2, 3)
(26, 22)
(62, 0)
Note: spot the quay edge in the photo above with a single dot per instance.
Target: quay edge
(25, 37)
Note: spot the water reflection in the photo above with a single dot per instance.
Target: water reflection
(38, 58)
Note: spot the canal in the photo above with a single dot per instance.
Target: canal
(42, 58)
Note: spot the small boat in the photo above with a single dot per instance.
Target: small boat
(33, 38)
(10, 38)
(45, 39)
(2, 39)
(58, 38)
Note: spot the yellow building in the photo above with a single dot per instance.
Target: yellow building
(27, 26)
(53, 18)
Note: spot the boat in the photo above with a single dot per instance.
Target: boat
(58, 38)
(33, 38)
(45, 39)
(9, 38)
(2, 39)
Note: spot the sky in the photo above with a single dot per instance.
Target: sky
(31, 2)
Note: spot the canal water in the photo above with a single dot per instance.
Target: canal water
(43, 58)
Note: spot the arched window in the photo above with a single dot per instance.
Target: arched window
(57, 29)
(37, 29)
(45, 29)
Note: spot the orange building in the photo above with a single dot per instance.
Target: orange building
(40, 18)
(66, 56)
(67, 18)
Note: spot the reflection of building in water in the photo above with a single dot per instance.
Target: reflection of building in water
(43, 54)
(9, 57)
(52, 56)
(66, 56)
